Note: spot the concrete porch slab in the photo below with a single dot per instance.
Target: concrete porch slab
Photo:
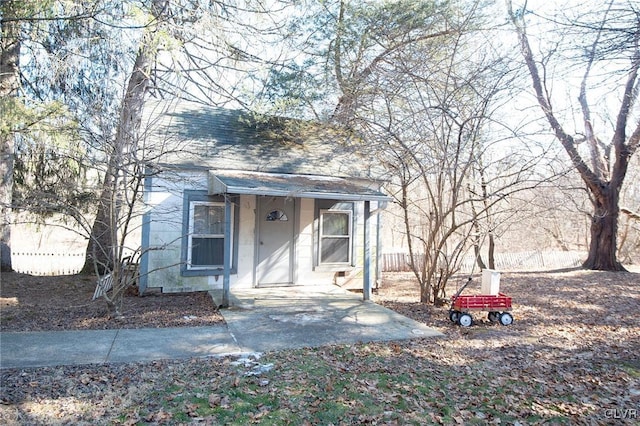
(265, 319)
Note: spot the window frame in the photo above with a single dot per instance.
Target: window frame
(349, 236)
(190, 199)
(191, 234)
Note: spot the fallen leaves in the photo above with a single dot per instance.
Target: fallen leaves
(160, 416)
(570, 356)
(35, 303)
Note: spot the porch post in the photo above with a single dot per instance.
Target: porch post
(378, 257)
(227, 251)
(143, 272)
(366, 274)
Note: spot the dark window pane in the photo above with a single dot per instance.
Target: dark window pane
(277, 215)
(335, 224)
(335, 250)
(208, 219)
(207, 252)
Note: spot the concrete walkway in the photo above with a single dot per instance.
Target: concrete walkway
(258, 320)
(42, 348)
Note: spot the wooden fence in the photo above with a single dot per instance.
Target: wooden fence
(47, 263)
(522, 261)
(399, 262)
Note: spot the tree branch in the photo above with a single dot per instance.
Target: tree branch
(631, 214)
(592, 180)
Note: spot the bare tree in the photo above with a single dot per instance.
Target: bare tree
(419, 83)
(191, 50)
(418, 114)
(103, 244)
(80, 55)
(598, 40)
(629, 243)
(422, 96)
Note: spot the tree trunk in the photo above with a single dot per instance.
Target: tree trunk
(478, 255)
(604, 232)
(476, 243)
(492, 251)
(602, 182)
(9, 84)
(102, 252)
(6, 191)
(98, 257)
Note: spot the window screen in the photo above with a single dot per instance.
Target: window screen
(335, 236)
(206, 237)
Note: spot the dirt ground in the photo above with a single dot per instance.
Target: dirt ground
(571, 309)
(545, 303)
(38, 303)
(541, 299)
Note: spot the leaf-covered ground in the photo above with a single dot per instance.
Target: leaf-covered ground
(571, 357)
(36, 303)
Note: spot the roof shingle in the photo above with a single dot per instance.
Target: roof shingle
(193, 135)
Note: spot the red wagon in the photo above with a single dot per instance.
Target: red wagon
(498, 307)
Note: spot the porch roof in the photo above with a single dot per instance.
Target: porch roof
(293, 185)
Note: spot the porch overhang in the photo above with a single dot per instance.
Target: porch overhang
(293, 185)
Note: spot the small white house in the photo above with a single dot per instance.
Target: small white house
(239, 201)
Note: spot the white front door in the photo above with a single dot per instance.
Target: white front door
(275, 240)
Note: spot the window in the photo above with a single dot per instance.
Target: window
(203, 226)
(335, 236)
(277, 216)
(206, 235)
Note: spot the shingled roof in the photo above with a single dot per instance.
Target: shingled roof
(197, 136)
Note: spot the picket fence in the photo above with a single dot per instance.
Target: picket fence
(47, 263)
(522, 261)
(59, 263)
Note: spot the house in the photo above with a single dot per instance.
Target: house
(246, 201)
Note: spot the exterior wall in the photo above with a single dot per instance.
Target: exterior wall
(246, 243)
(304, 243)
(307, 273)
(353, 277)
(163, 232)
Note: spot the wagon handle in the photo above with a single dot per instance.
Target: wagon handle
(462, 288)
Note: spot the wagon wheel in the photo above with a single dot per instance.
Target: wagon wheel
(454, 315)
(506, 318)
(494, 316)
(465, 320)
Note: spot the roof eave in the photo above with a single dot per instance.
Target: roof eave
(217, 187)
(304, 194)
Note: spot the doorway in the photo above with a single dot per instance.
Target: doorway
(275, 243)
